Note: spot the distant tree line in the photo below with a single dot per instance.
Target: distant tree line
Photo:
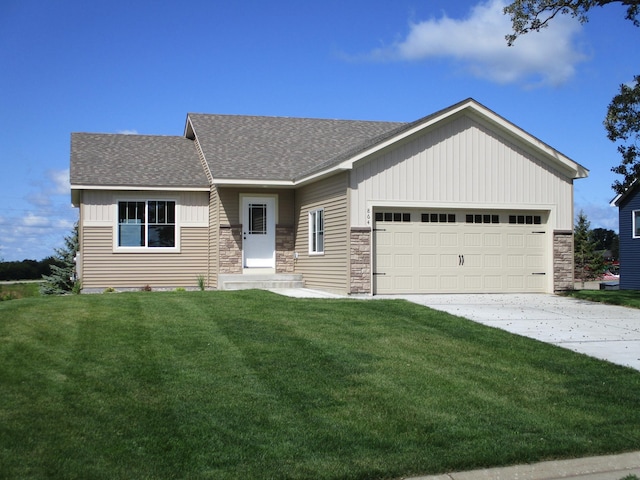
(27, 269)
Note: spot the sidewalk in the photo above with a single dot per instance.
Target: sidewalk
(610, 467)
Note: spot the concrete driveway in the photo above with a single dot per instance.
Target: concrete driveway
(603, 331)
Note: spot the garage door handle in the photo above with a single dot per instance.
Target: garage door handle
(461, 260)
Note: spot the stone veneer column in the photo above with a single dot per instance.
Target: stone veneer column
(360, 260)
(563, 261)
(230, 249)
(285, 245)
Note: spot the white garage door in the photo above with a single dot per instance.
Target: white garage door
(460, 252)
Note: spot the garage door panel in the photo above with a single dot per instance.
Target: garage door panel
(448, 240)
(492, 240)
(403, 239)
(427, 239)
(449, 283)
(428, 283)
(449, 261)
(515, 240)
(428, 261)
(472, 240)
(438, 256)
(472, 261)
(403, 261)
(493, 261)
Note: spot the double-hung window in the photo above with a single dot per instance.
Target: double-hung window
(316, 231)
(147, 224)
(636, 223)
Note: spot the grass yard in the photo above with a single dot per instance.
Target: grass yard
(249, 384)
(627, 298)
(13, 291)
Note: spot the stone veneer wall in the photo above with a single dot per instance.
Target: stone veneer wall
(285, 245)
(360, 260)
(230, 249)
(563, 261)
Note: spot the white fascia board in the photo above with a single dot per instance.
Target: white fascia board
(140, 188)
(239, 182)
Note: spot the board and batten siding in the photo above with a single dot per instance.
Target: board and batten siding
(328, 271)
(629, 246)
(462, 162)
(102, 267)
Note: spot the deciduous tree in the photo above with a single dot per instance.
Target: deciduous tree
(623, 114)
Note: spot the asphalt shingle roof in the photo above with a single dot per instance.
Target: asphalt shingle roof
(279, 148)
(135, 160)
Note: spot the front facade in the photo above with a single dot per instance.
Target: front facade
(629, 223)
(459, 201)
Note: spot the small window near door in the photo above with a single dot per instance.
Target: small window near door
(636, 224)
(316, 231)
(258, 219)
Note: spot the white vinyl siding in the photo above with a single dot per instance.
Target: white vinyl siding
(461, 162)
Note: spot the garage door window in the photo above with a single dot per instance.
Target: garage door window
(393, 217)
(525, 219)
(482, 218)
(438, 218)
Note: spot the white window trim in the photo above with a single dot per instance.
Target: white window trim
(313, 216)
(146, 199)
(635, 215)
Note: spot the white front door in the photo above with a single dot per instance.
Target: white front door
(258, 232)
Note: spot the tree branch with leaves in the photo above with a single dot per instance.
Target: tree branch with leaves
(623, 114)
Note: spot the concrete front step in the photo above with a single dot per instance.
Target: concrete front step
(261, 282)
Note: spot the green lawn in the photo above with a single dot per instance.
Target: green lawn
(249, 384)
(12, 291)
(627, 298)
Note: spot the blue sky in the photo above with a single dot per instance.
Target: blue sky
(140, 66)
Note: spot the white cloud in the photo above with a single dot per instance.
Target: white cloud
(60, 179)
(478, 44)
(128, 132)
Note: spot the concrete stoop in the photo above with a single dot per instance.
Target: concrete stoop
(261, 282)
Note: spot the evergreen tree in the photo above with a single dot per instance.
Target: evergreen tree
(589, 262)
(63, 272)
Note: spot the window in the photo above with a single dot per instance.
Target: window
(393, 217)
(316, 231)
(482, 218)
(438, 217)
(636, 223)
(147, 224)
(258, 218)
(525, 219)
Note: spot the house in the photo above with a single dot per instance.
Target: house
(459, 201)
(628, 204)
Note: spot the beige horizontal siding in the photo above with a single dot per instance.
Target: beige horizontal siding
(230, 204)
(461, 162)
(102, 268)
(327, 271)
